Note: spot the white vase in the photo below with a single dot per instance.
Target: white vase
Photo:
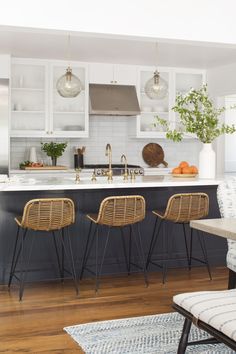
(207, 162)
(32, 154)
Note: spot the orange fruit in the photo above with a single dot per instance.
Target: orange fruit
(187, 170)
(176, 170)
(183, 164)
(194, 169)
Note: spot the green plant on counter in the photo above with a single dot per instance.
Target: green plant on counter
(53, 150)
(198, 116)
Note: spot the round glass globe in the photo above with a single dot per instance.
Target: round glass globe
(156, 87)
(69, 85)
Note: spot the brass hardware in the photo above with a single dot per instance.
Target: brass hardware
(109, 154)
(93, 178)
(132, 175)
(125, 175)
(77, 176)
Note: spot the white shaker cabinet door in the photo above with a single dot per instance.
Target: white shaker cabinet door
(102, 73)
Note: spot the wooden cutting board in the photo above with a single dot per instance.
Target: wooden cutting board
(153, 155)
(45, 168)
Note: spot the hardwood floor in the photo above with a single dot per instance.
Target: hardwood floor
(35, 325)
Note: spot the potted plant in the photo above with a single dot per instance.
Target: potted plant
(54, 150)
(199, 116)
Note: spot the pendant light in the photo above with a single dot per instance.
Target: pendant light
(156, 88)
(69, 85)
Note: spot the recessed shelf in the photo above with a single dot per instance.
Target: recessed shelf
(27, 89)
(68, 112)
(156, 112)
(26, 111)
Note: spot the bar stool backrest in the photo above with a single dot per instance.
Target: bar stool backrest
(48, 214)
(121, 210)
(181, 208)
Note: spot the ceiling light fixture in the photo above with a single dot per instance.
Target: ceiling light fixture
(69, 85)
(156, 87)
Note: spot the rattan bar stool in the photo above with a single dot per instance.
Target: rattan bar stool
(181, 209)
(52, 215)
(116, 212)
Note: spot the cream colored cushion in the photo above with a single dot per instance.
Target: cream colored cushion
(216, 308)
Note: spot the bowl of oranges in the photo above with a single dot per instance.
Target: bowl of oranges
(184, 170)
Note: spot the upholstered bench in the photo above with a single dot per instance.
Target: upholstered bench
(212, 311)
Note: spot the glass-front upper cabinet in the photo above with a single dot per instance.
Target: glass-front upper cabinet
(37, 109)
(151, 108)
(69, 115)
(29, 98)
(185, 80)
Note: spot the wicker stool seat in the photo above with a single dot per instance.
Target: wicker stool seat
(52, 215)
(116, 212)
(180, 209)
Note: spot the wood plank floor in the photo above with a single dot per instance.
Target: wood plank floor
(35, 325)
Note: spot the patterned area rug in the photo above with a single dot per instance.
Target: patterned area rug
(157, 334)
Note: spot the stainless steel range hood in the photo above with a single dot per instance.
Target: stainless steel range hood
(118, 100)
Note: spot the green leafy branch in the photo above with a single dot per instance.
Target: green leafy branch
(198, 116)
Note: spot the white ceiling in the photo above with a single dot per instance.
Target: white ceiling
(113, 49)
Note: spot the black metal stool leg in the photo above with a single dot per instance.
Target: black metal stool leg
(72, 261)
(62, 257)
(165, 250)
(98, 273)
(191, 248)
(130, 249)
(232, 279)
(85, 251)
(88, 248)
(124, 249)
(57, 254)
(13, 257)
(153, 243)
(69, 258)
(142, 256)
(186, 246)
(24, 272)
(184, 337)
(204, 251)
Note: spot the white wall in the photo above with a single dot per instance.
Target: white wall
(222, 80)
(113, 130)
(202, 20)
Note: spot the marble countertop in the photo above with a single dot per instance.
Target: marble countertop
(34, 183)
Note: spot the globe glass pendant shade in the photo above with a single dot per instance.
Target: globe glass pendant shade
(69, 85)
(156, 88)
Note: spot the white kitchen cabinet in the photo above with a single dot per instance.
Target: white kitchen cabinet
(29, 97)
(147, 126)
(69, 116)
(179, 80)
(37, 110)
(5, 65)
(184, 80)
(100, 73)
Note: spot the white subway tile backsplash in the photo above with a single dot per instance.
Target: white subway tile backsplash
(103, 130)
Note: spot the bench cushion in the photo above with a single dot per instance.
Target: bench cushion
(216, 308)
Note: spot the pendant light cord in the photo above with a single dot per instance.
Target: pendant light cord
(156, 50)
(68, 50)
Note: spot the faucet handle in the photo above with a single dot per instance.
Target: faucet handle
(93, 178)
(132, 175)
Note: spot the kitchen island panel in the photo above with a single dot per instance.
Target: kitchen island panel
(12, 203)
